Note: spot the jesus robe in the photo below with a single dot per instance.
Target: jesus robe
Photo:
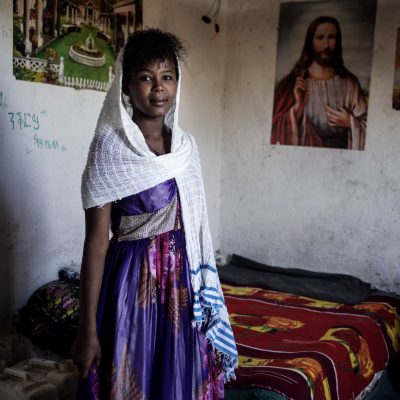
(313, 128)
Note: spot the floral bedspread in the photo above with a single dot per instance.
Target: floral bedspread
(304, 348)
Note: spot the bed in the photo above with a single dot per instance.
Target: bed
(306, 335)
(300, 335)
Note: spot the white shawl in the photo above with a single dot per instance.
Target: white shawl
(120, 164)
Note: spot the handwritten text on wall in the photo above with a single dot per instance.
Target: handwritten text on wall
(29, 123)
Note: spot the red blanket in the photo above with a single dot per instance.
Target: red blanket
(305, 348)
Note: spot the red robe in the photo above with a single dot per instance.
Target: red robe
(286, 130)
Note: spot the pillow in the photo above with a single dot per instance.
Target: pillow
(339, 288)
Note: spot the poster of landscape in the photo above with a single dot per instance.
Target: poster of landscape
(72, 43)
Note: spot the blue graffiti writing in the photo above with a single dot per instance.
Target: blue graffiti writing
(46, 143)
(28, 123)
(3, 101)
(24, 120)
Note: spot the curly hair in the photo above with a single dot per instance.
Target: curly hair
(148, 46)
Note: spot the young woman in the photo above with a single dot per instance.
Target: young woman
(153, 323)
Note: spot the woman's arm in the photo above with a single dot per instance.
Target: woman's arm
(86, 349)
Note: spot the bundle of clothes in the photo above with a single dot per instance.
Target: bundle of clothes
(50, 317)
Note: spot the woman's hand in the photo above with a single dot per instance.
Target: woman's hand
(86, 348)
(338, 117)
(86, 352)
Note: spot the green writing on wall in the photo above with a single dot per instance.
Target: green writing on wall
(30, 123)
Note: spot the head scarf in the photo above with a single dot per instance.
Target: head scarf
(120, 164)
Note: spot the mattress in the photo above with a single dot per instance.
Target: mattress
(293, 346)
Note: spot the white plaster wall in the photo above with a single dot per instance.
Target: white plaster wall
(319, 209)
(41, 220)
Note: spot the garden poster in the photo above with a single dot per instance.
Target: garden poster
(72, 43)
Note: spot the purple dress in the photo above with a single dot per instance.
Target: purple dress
(149, 348)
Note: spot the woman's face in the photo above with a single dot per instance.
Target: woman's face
(152, 89)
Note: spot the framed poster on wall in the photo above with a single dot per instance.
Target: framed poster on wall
(72, 43)
(396, 83)
(323, 69)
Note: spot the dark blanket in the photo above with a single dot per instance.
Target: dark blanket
(339, 288)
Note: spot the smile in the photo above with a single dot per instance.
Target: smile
(158, 100)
